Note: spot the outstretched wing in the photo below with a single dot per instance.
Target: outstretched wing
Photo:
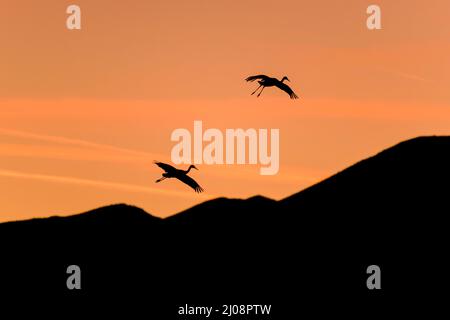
(166, 167)
(190, 182)
(287, 89)
(260, 76)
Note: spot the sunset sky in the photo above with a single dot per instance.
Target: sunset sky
(83, 113)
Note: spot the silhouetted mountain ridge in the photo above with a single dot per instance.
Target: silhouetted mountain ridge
(387, 210)
(401, 166)
(416, 167)
(116, 213)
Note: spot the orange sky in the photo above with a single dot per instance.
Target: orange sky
(84, 113)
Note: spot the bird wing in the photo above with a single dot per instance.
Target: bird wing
(287, 89)
(166, 167)
(260, 76)
(190, 182)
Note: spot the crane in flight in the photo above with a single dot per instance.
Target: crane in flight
(172, 172)
(265, 81)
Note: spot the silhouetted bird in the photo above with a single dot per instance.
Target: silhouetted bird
(171, 172)
(266, 81)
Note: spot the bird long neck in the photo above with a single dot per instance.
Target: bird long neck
(284, 78)
(189, 169)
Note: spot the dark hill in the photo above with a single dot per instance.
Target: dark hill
(110, 221)
(389, 210)
(236, 211)
(417, 166)
(112, 214)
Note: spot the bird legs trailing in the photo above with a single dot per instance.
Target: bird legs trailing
(172, 172)
(160, 179)
(261, 91)
(256, 89)
(265, 81)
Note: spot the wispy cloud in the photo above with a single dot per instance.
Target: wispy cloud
(101, 184)
(77, 142)
(405, 75)
(410, 76)
(70, 152)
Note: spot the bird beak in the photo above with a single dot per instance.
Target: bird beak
(288, 79)
(195, 167)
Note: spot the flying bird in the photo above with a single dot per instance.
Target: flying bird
(172, 172)
(265, 81)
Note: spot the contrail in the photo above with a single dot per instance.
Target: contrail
(97, 183)
(405, 75)
(78, 142)
(410, 76)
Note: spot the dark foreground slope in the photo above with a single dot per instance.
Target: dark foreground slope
(309, 251)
